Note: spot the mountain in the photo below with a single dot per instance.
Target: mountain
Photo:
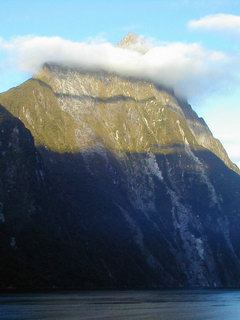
(114, 183)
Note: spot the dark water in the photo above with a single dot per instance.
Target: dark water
(127, 305)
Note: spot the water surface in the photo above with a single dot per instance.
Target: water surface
(127, 305)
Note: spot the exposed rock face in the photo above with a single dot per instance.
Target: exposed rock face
(150, 197)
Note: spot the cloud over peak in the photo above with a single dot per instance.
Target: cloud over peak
(188, 68)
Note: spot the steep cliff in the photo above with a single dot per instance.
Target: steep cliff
(150, 197)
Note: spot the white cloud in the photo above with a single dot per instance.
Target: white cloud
(187, 67)
(217, 22)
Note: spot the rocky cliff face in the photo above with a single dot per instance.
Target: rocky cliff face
(150, 197)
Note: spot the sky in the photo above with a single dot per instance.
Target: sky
(194, 45)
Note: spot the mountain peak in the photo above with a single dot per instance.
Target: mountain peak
(130, 39)
(135, 42)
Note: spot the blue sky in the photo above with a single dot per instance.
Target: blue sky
(163, 20)
(76, 20)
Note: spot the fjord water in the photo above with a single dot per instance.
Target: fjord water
(127, 305)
